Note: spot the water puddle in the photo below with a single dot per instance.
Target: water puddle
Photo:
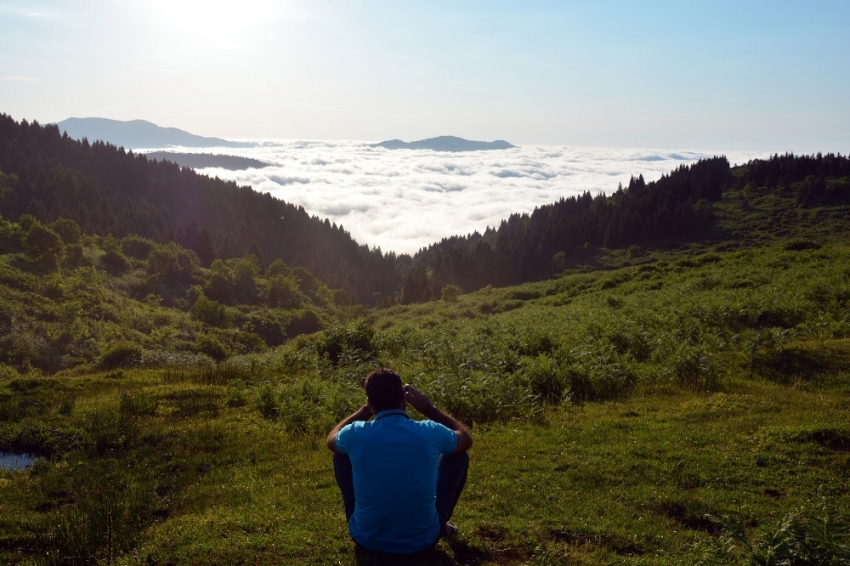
(9, 461)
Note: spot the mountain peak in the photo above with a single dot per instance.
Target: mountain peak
(445, 143)
(134, 134)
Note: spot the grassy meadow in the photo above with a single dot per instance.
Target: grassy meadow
(681, 404)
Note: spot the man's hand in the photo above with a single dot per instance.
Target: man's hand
(419, 401)
(364, 413)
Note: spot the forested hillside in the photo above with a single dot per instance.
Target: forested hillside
(107, 190)
(75, 301)
(676, 209)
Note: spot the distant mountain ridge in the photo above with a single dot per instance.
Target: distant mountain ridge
(203, 160)
(445, 143)
(134, 134)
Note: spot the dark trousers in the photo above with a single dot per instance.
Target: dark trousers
(451, 477)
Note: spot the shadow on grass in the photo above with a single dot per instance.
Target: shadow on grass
(785, 365)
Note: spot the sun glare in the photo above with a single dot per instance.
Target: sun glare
(194, 25)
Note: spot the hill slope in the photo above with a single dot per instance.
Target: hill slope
(701, 204)
(109, 191)
(203, 160)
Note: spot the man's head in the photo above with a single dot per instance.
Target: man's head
(384, 390)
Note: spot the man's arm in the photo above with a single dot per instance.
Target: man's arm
(419, 401)
(362, 414)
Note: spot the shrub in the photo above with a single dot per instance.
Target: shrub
(44, 247)
(100, 527)
(357, 338)
(137, 247)
(67, 229)
(277, 267)
(121, 354)
(114, 262)
(210, 346)
(244, 273)
(220, 285)
(545, 379)
(266, 327)
(693, 368)
(800, 245)
(137, 403)
(172, 263)
(283, 292)
(27, 221)
(342, 298)
(450, 293)
(303, 322)
(480, 397)
(249, 342)
(306, 281)
(211, 312)
(797, 538)
(267, 401)
(74, 255)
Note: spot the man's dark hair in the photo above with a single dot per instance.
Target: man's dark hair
(384, 389)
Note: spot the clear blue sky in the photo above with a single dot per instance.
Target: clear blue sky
(764, 75)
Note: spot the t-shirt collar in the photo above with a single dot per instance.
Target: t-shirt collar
(390, 412)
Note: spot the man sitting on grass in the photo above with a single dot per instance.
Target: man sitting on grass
(400, 478)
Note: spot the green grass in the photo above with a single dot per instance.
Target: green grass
(613, 413)
(628, 481)
(657, 406)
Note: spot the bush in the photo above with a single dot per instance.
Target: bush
(796, 539)
(694, 369)
(244, 273)
(266, 327)
(67, 229)
(357, 339)
(283, 292)
(277, 267)
(210, 346)
(303, 322)
(248, 342)
(74, 255)
(114, 262)
(800, 245)
(172, 263)
(44, 247)
(211, 312)
(306, 281)
(267, 401)
(450, 293)
(342, 298)
(137, 247)
(121, 354)
(545, 379)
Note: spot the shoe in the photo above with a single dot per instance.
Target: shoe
(450, 530)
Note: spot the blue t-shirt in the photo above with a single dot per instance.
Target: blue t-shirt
(394, 462)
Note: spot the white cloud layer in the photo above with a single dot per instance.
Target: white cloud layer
(403, 200)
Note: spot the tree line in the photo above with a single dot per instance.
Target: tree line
(107, 190)
(526, 247)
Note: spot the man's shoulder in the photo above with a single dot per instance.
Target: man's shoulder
(355, 426)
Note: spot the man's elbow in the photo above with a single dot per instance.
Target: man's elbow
(464, 442)
(331, 442)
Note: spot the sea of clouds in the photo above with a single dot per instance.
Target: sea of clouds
(403, 200)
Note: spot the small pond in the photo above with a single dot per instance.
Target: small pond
(9, 461)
